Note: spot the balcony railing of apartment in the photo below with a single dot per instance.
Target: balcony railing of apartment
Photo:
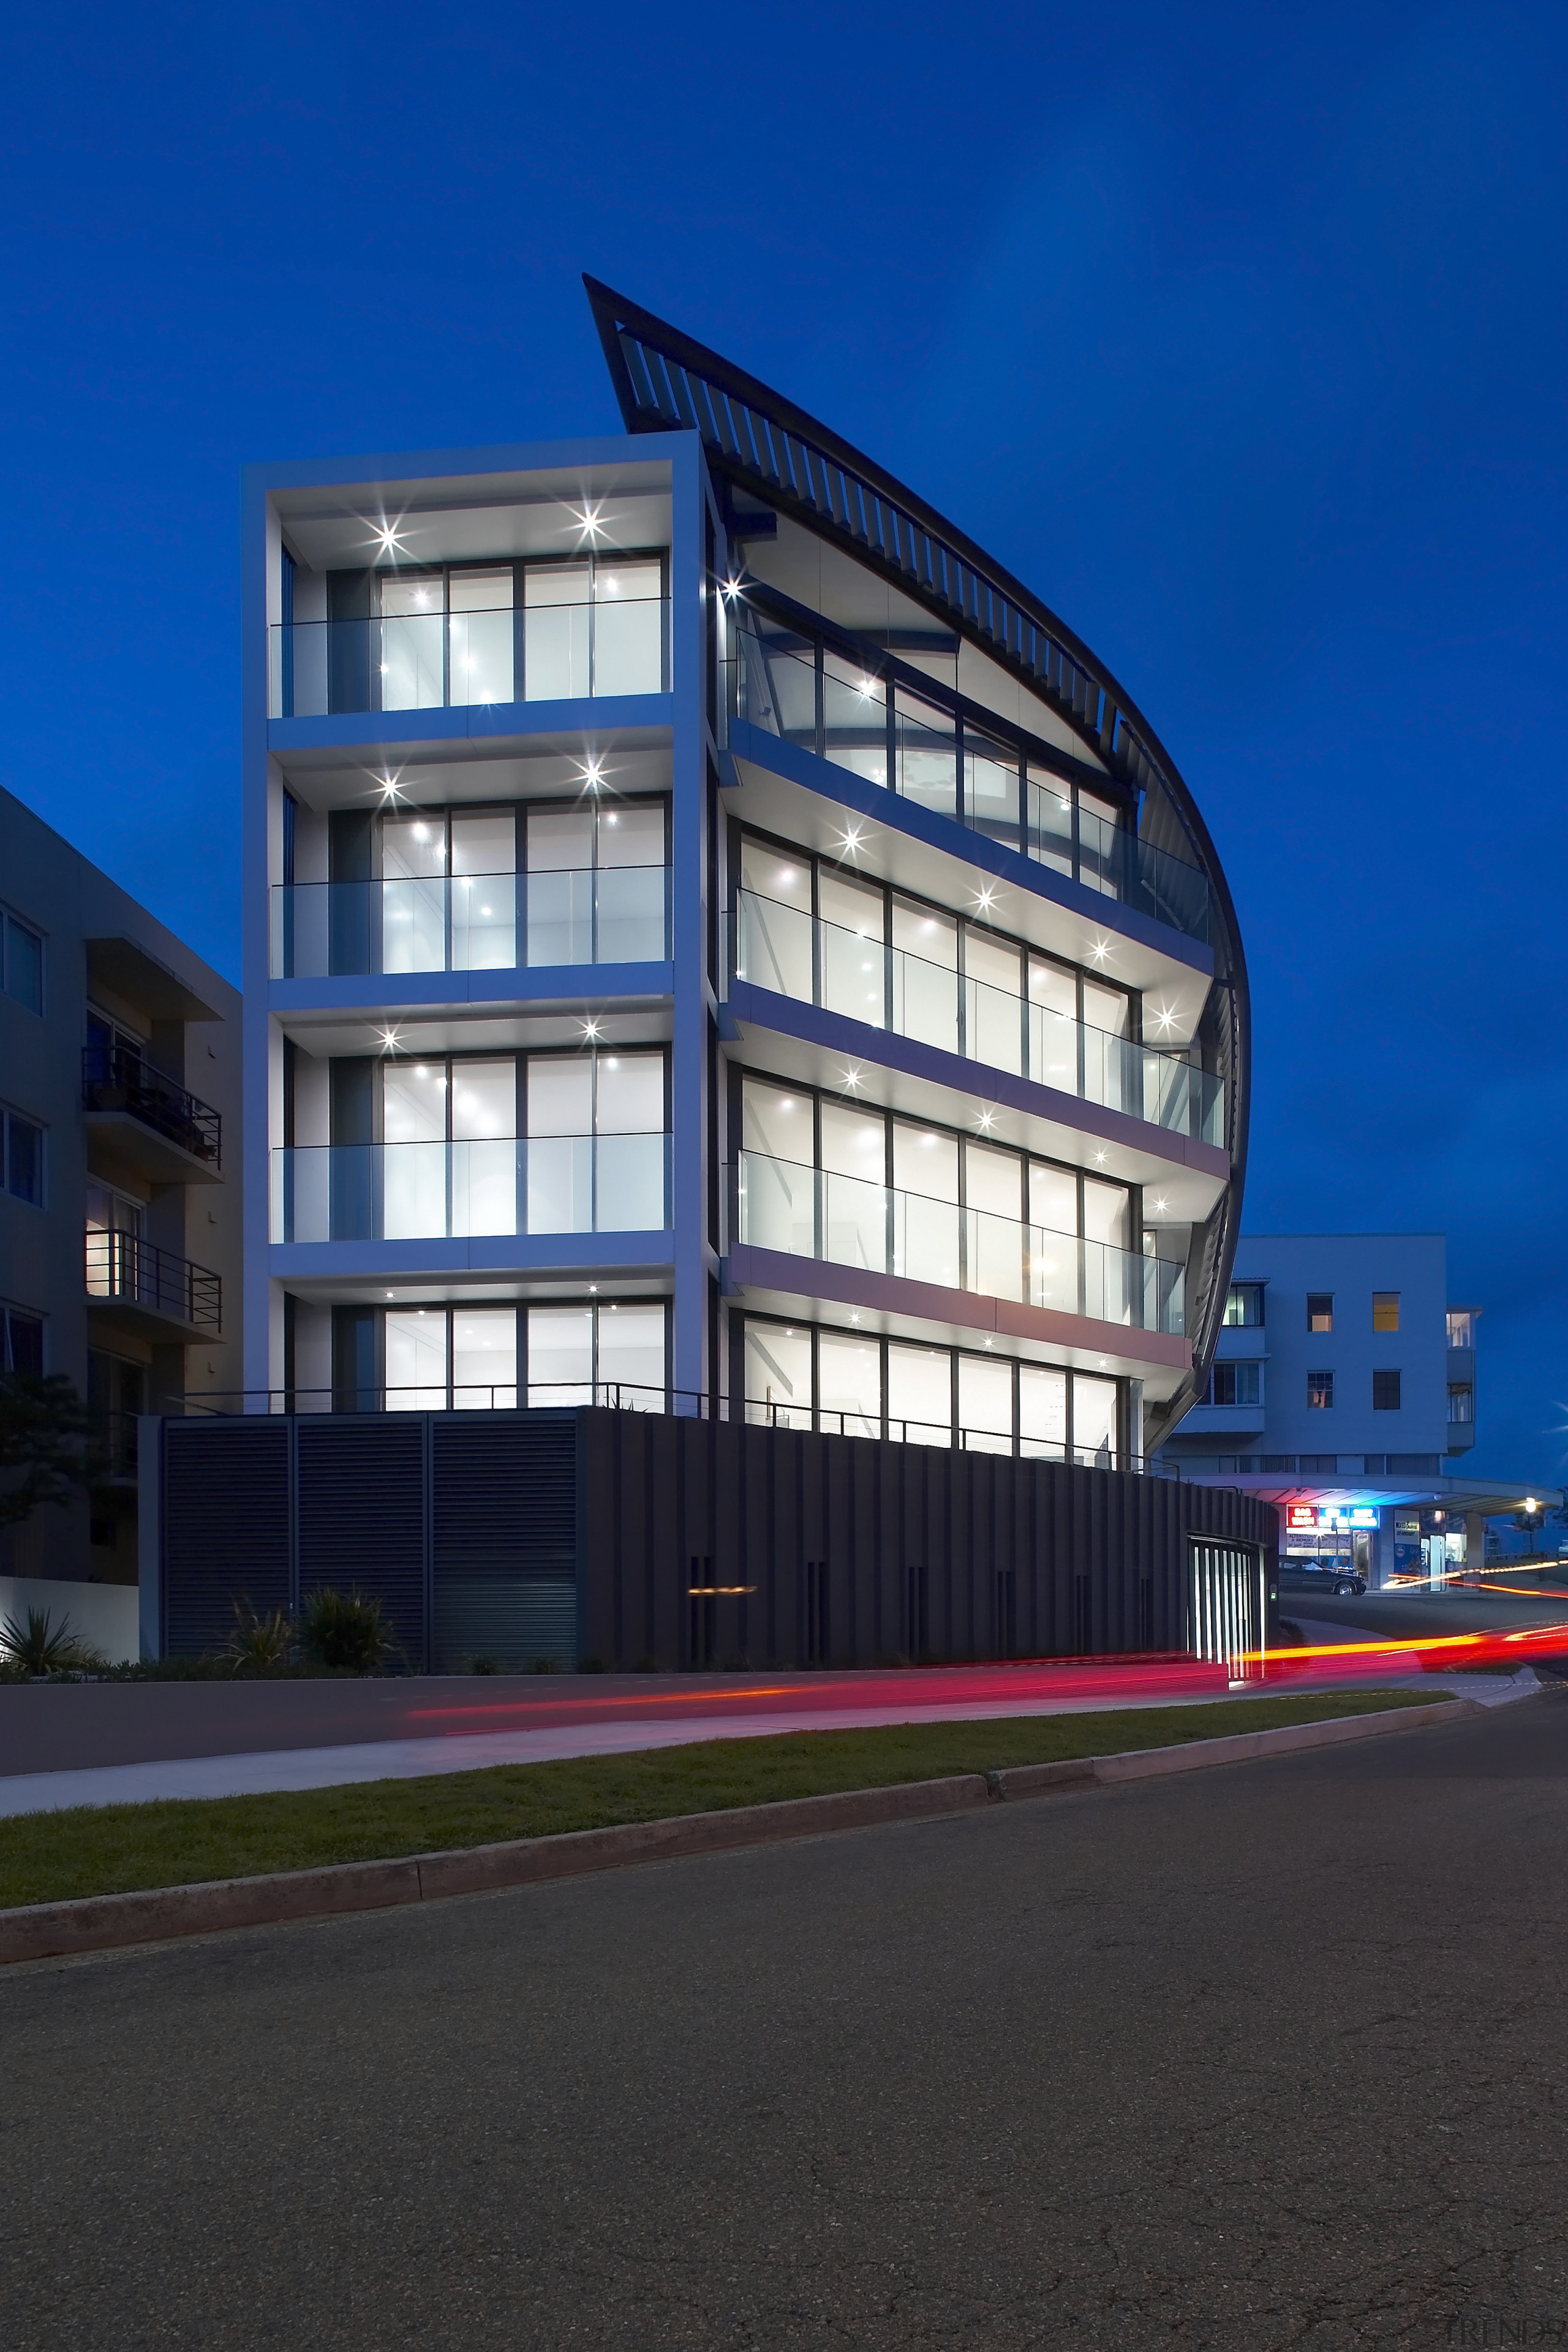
(505, 1184)
(114, 1447)
(433, 661)
(697, 1405)
(813, 1212)
(798, 955)
(114, 1078)
(864, 712)
(471, 922)
(124, 1267)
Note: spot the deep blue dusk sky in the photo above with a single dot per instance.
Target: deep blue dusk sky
(1239, 333)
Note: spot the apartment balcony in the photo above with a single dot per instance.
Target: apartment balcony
(143, 1123)
(150, 1292)
(463, 1191)
(471, 922)
(901, 731)
(813, 1212)
(787, 950)
(573, 651)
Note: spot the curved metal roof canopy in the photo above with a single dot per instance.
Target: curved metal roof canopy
(665, 381)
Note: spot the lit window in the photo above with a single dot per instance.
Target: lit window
(1244, 1305)
(1385, 1310)
(1320, 1391)
(1461, 1327)
(1319, 1310)
(1461, 1404)
(1385, 1392)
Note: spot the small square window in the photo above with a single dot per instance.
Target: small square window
(23, 975)
(24, 1159)
(1320, 1391)
(1319, 1310)
(1385, 1392)
(1244, 1305)
(1385, 1310)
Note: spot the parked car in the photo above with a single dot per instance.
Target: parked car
(1297, 1577)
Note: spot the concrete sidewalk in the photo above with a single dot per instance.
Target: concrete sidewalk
(400, 1759)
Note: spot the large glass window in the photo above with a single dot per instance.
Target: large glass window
(21, 1340)
(596, 1143)
(448, 890)
(849, 1383)
(808, 929)
(480, 634)
(596, 884)
(958, 1212)
(577, 1352)
(849, 1377)
(594, 626)
(778, 1375)
(1244, 1305)
(919, 1395)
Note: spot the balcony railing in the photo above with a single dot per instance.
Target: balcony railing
(124, 1267)
(922, 743)
(471, 922)
(434, 661)
(114, 1078)
(434, 1191)
(787, 949)
(778, 1204)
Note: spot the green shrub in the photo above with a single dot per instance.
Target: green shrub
(346, 1629)
(41, 1647)
(258, 1641)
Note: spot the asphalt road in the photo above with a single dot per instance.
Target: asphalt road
(1269, 2056)
(1413, 1616)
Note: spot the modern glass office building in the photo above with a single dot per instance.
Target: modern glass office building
(714, 934)
(717, 946)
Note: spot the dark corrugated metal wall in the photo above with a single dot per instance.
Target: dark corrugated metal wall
(642, 1539)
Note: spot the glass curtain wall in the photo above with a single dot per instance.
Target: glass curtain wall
(811, 930)
(482, 1358)
(803, 1376)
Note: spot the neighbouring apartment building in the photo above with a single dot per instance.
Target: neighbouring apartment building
(1343, 1390)
(120, 1219)
(717, 949)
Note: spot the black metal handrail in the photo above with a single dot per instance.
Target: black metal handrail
(692, 1404)
(115, 1078)
(124, 1267)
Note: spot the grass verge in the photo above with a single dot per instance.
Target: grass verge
(113, 1849)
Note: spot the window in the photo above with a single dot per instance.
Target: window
(1461, 1403)
(1239, 1384)
(23, 955)
(1385, 1310)
(23, 1144)
(22, 1339)
(1244, 1305)
(1319, 1310)
(850, 1384)
(1462, 1329)
(1320, 1391)
(1385, 1392)
(578, 1352)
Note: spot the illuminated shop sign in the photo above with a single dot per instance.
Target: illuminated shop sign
(1330, 1515)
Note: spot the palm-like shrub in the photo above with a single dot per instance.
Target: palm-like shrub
(39, 1646)
(345, 1629)
(260, 1639)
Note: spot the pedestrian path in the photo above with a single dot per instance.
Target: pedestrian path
(407, 1760)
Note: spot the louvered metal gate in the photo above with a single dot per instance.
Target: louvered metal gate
(1225, 1613)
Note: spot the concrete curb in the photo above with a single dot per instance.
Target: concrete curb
(98, 1923)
